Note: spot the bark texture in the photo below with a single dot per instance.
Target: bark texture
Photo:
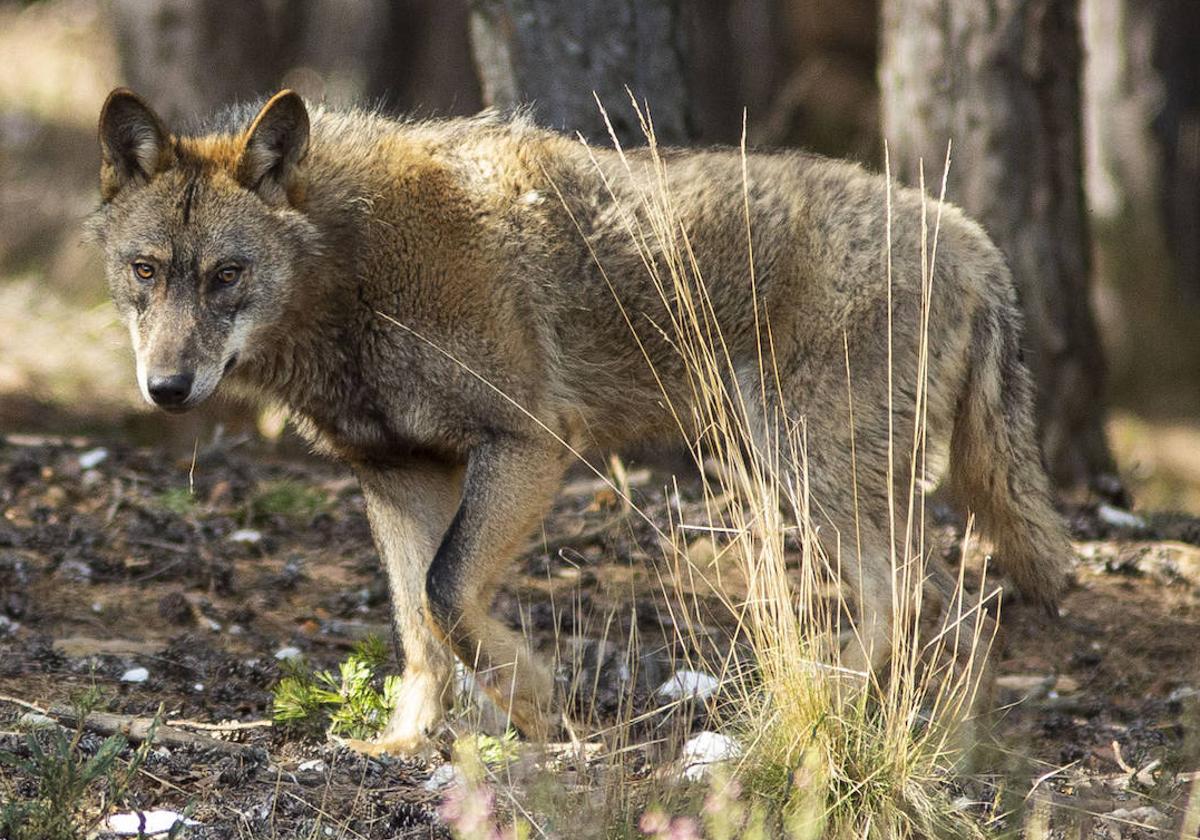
(552, 55)
(1001, 78)
(1142, 111)
(1176, 58)
(191, 56)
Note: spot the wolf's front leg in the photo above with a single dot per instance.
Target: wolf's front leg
(509, 485)
(410, 510)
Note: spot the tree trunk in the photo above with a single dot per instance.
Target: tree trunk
(1177, 129)
(1001, 78)
(552, 55)
(420, 61)
(188, 57)
(1142, 109)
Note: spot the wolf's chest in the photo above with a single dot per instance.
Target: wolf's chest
(363, 432)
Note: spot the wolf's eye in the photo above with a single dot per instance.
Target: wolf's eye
(143, 270)
(229, 275)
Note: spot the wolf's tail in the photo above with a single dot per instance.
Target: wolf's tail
(995, 466)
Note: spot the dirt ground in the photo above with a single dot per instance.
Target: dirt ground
(113, 558)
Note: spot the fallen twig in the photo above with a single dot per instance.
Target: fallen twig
(137, 729)
(228, 726)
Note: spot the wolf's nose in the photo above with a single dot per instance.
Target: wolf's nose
(169, 391)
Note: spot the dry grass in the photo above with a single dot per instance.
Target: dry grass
(840, 754)
(825, 751)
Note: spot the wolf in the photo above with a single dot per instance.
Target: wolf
(454, 308)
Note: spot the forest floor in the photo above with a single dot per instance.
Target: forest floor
(114, 558)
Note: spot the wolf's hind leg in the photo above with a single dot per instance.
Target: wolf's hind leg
(410, 510)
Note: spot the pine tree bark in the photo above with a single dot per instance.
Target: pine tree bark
(1176, 26)
(1142, 110)
(189, 57)
(1001, 78)
(552, 55)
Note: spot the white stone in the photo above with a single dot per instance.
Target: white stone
(1144, 817)
(288, 652)
(246, 536)
(441, 778)
(703, 750)
(92, 458)
(1182, 693)
(689, 684)
(313, 765)
(135, 675)
(1018, 688)
(158, 821)
(35, 720)
(1119, 518)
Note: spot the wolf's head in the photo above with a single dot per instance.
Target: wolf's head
(203, 238)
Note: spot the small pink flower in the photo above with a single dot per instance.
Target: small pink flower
(684, 828)
(468, 810)
(719, 799)
(655, 823)
(658, 825)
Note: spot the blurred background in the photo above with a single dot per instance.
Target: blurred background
(1075, 123)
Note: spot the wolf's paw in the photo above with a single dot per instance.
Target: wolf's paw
(405, 746)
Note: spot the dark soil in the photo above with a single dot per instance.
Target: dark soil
(131, 562)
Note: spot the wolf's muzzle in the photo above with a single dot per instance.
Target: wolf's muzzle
(170, 391)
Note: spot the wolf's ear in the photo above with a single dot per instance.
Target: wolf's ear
(132, 142)
(275, 144)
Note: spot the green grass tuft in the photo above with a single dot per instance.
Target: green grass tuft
(178, 500)
(286, 498)
(353, 703)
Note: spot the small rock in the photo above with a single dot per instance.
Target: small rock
(1145, 776)
(93, 458)
(688, 684)
(313, 765)
(35, 720)
(705, 749)
(288, 652)
(135, 675)
(464, 681)
(1118, 518)
(1066, 685)
(441, 778)
(75, 570)
(136, 823)
(1144, 816)
(1018, 688)
(1182, 693)
(246, 536)
(8, 627)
